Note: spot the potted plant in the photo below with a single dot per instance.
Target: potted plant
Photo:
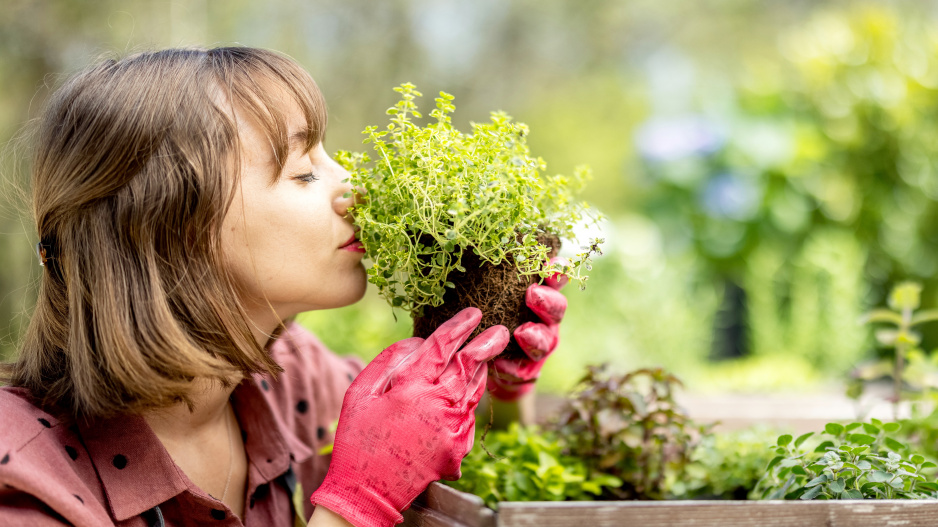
(450, 220)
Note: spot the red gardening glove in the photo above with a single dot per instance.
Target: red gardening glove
(407, 421)
(511, 378)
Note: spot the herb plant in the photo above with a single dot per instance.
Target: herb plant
(857, 461)
(725, 465)
(903, 313)
(528, 465)
(431, 193)
(631, 427)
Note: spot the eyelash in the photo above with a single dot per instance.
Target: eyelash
(307, 178)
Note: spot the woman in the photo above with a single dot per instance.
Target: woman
(186, 209)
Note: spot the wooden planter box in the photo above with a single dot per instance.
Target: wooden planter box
(443, 506)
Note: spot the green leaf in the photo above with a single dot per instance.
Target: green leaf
(784, 440)
(881, 315)
(833, 429)
(857, 450)
(917, 459)
(879, 476)
(893, 444)
(801, 439)
(929, 464)
(852, 494)
(862, 439)
(812, 493)
(891, 427)
(925, 315)
(824, 446)
(838, 485)
(823, 478)
(774, 462)
(852, 426)
(870, 428)
(905, 295)
(779, 492)
(868, 487)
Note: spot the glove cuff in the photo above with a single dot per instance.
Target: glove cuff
(356, 503)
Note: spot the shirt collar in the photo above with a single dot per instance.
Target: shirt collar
(270, 443)
(137, 472)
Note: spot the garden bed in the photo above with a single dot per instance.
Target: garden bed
(441, 505)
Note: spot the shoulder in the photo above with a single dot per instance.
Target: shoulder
(23, 418)
(313, 381)
(38, 473)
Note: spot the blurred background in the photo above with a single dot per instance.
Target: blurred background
(765, 168)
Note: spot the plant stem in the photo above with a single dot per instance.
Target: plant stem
(901, 346)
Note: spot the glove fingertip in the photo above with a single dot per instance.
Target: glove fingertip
(452, 477)
(492, 342)
(535, 340)
(547, 303)
(557, 281)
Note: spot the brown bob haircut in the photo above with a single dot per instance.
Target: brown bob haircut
(135, 166)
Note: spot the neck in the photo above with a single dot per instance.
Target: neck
(210, 398)
(204, 442)
(209, 407)
(265, 321)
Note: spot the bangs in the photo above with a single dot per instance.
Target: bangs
(253, 79)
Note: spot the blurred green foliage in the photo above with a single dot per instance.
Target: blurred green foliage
(807, 306)
(781, 149)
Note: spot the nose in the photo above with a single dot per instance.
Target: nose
(345, 199)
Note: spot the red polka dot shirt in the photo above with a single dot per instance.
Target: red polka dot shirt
(54, 471)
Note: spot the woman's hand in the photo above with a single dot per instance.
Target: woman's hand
(408, 420)
(510, 378)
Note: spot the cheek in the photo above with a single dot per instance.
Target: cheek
(255, 240)
(234, 241)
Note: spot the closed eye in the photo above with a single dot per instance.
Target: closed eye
(307, 178)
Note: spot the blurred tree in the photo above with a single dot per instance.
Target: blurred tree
(573, 70)
(836, 133)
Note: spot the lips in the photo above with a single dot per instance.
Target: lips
(353, 244)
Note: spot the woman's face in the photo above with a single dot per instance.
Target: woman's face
(290, 240)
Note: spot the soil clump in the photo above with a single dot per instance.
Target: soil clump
(496, 290)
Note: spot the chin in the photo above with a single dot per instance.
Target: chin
(357, 295)
(349, 295)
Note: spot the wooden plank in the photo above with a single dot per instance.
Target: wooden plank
(465, 507)
(859, 513)
(443, 505)
(419, 516)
